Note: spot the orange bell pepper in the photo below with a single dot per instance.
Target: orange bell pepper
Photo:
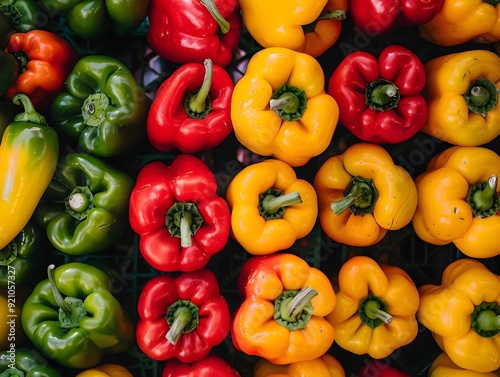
(324, 366)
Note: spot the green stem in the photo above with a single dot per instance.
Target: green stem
(297, 304)
(373, 312)
(272, 204)
(332, 14)
(481, 96)
(185, 228)
(485, 319)
(488, 320)
(9, 253)
(382, 95)
(198, 104)
(29, 114)
(360, 197)
(94, 109)
(79, 202)
(22, 60)
(182, 317)
(183, 220)
(289, 102)
(483, 197)
(293, 309)
(224, 25)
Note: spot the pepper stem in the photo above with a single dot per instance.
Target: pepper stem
(9, 253)
(94, 109)
(485, 319)
(382, 95)
(332, 14)
(29, 114)
(198, 104)
(289, 102)
(186, 221)
(79, 202)
(182, 317)
(373, 312)
(272, 203)
(481, 96)
(293, 309)
(488, 320)
(71, 309)
(183, 220)
(360, 197)
(483, 197)
(299, 302)
(224, 25)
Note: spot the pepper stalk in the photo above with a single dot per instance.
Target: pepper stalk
(182, 317)
(273, 202)
(293, 309)
(198, 104)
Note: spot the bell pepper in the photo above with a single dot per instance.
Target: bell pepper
(380, 18)
(380, 369)
(73, 317)
(380, 98)
(270, 207)
(458, 201)
(459, 22)
(462, 96)
(190, 31)
(182, 316)
(28, 158)
(191, 110)
(26, 362)
(376, 308)
(8, 62)
(24, 15)
(363, 194)
(209, 366)
(281, 318)
(323, 366)
(103, 107)
(93, 19)
(44, 60)
(311, 27)
(280, 108)
(106, 370)
(85, 206)
(22, 258)
(443, 366)
(462, 314)
(178, 215)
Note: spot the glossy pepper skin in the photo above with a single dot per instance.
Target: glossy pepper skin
(379, 18)
(270, 207)
(457, 22)
(178, 215)
(311, 27)
(197, 316)
(23, 256)
(24, 15)
(380, 98)
(190, 31)
(443, 366)
(212, 365)
(376, 308)
(85, 206)
(280, 108)
(93, 19)
(28, 362)
(103, 107)
(44, 60)
(462, 97)
(28, 157)
(462, 313)
(191, 111)
(323, 366)
(73, 318)
(363, 194)
(458, 201)
(380, 369)
(281, 318)
(106, 370)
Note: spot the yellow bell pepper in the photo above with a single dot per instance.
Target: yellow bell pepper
(462, 97)
(324, 366)
(281, 318)
(458, 201)
(280, 108)
(270, 207)
(362, 194)
(106, 370)
(307, 26)
(463, 314)
(375, 310)
(443, 366)
(460, 21)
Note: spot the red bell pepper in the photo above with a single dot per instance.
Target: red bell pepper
(45, 60)
(181, 317)
(210, 366)
(178, 215)
(380, 369)
(380, 100)
(379, 17)
(191, 111)
(190, 31)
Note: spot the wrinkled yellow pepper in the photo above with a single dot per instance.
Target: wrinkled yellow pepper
(462, 97)
(375, 310)
(460, 21)
(443, 366)
(463, 314)
(106, 370)
(324, 366)
(280, 108)
(362, 194)
(458, 201)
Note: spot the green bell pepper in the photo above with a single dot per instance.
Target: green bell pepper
(84, 209)
(24, 255)
(26, 362)
(73, 318)
(103, 107)
(24, 15)
(93, 19)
